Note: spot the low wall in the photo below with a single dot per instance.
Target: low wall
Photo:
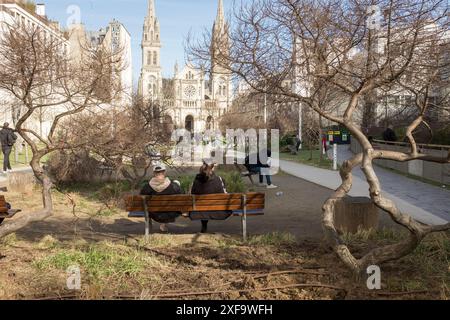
(436, 172)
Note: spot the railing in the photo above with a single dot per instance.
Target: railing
(419, 145)
(437, 172)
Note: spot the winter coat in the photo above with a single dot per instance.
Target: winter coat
(209, 185)
(162, 188)
(7, 137)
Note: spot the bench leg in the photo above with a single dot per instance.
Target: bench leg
(244, 220)
(148, 224)
(244, 228)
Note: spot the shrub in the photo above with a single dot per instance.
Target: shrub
(67, 167)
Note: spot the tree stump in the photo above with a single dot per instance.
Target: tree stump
(356, 213)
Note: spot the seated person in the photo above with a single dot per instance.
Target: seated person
(207, 182)
(161, 185)
(259, 168)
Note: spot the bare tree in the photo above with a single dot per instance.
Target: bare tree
(37, 73)
(334, 46)
(123, 140)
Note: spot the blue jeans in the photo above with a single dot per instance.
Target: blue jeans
(255, 169)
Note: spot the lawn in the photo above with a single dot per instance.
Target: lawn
(304, 157)
(21, 159)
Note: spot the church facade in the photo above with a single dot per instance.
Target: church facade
(197, 99)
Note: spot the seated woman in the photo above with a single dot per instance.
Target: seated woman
(207, 182)
(161, 185)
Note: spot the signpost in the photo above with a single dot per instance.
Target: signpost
(335, 166)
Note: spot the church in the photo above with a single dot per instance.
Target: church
(197, 99)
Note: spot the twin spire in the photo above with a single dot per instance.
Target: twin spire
(151, 8)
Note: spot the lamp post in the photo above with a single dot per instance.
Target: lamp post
(298, 90)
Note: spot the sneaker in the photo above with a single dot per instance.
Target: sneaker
(272, 186)
(262, 184)
(246, 173)
(163, 227)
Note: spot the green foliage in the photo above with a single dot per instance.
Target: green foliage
(304, 157)
(287, 140)
(442, 136)
(111, 191)
(99, 261)
(232, 179)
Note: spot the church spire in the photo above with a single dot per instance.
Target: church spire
(151, 8)
(219, 40)
(220, 19)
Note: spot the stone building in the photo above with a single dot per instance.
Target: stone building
(197, 99)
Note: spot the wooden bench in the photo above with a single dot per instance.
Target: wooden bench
(240, 205)
(6, 213)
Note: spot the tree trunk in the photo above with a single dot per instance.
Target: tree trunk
(354, 214)
(25, 219)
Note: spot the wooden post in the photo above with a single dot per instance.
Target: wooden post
(354, 214)
(244, 218)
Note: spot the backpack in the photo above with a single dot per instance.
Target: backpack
(10, 138)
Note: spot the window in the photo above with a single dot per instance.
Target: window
(155, 58)
(149, 58)
(146, 37)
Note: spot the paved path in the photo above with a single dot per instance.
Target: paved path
(424, 202)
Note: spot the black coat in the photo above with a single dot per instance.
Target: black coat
(7, 137)
(163, 217)
(173, 188)
(212, 185)
(205, 185)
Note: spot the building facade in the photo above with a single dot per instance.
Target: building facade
(116, 38)
(196, 99)
(14, 14)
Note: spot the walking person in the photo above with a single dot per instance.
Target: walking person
(207, 182)
(162, 185)
(262, 169)
(7, 139)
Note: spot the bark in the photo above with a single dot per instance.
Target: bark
(26, 218)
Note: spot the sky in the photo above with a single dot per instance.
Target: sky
(177, 18)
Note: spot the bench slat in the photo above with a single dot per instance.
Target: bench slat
(184, 203)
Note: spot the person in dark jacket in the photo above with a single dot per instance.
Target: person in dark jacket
(389, 135)
(207, 182)
(161, 185)
(263, 169)
(7, 139)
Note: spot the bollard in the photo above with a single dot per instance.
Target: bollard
(335, 165)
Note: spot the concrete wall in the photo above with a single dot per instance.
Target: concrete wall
(436, 172)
